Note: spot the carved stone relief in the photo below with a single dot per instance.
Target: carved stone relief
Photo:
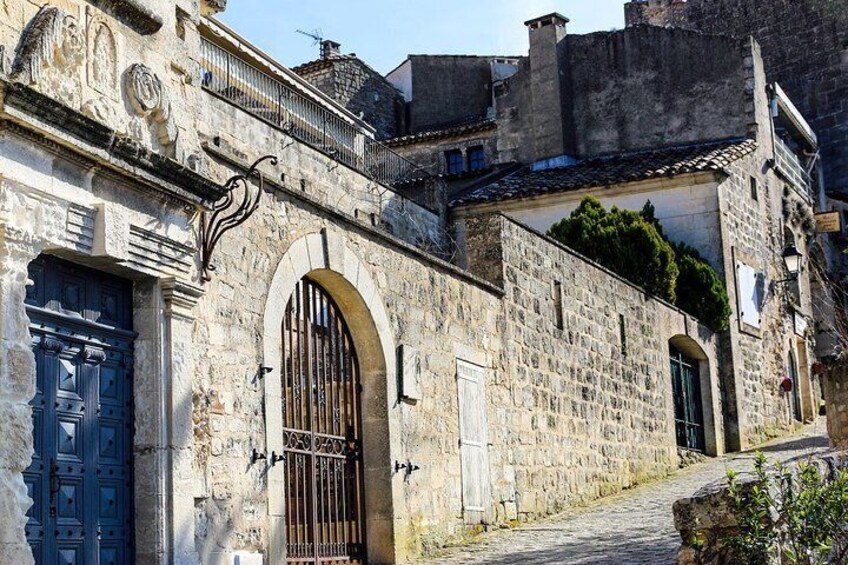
(149, 100)
(102, 58)
(50, 55)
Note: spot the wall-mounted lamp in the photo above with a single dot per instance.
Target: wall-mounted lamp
(792, 260)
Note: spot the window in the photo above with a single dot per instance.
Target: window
(453, 161)
(754, 192)
(559, 322)
(622, 333)
(476, 159)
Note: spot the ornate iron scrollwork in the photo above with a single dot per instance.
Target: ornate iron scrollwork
(225, 217)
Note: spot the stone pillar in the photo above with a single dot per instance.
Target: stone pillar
(164, 438)
(836, 401)
(17, 387)
(179, 299)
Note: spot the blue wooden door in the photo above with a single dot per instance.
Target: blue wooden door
(81, 474)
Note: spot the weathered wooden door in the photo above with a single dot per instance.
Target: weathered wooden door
(322, 426)
(688, 410)
(80, 479)
(473, 437)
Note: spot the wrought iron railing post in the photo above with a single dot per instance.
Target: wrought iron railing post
(227, 60)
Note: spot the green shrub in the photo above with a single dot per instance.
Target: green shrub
(794, 518)
(624, 242)
(633, 245)
(700, 291)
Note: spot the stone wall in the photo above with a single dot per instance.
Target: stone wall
(447, 89)
(804, 48)
(639, 88)
(706, 520)
(759, 358)
(648, 87)
(836, 395)
(585, 406)
(441, 313)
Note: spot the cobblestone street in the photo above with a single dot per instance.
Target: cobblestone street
(635, 527)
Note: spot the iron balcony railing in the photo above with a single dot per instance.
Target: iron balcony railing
(789, 165)
(283, 107)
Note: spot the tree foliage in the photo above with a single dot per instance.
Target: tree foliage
(625, 242)
(633, 245)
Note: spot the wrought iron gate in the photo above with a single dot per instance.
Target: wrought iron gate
(80, 479)
(688, 410)
(322, 423)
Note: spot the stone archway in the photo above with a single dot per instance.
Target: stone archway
(691, 349)
(325, 258)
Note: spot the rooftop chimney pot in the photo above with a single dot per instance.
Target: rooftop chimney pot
(330, 49)
(550, 19)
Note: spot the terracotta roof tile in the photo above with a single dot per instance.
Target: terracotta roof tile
(476, 126)
(611, 170)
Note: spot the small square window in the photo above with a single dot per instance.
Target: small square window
(754, 189)
(454, 161)
(476, 159)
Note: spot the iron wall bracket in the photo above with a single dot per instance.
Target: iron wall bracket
(225, 216)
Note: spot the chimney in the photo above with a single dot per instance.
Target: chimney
(550, 87)
(330, 49)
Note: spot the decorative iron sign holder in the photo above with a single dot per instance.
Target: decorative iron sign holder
(221, 219)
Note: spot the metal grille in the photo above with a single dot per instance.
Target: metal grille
(322, 432)
(688, 410)
(300, 117)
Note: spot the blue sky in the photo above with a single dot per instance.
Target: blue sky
(383, 32)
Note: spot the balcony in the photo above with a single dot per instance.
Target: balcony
(790, 167)
(304, 119)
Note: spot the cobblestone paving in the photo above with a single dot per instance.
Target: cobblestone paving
(635, 527)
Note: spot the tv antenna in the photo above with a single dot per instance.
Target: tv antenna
(316, 35)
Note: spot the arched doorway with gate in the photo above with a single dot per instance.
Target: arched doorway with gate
(322, 432)
(327, 344)
(693, 397)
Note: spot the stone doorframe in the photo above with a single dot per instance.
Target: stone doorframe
(326, 258)
(32, 222)
(708, 381)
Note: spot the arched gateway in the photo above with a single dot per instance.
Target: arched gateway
(328, 344)
(322, 432)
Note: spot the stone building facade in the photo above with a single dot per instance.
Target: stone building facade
(160, 206)
(804, 49)
(707, 152)
(363, 91)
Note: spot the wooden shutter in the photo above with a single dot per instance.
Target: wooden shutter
(473, 438)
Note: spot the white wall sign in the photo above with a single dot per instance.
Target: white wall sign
(750, 290)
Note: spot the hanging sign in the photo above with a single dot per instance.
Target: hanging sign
(829, 222)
